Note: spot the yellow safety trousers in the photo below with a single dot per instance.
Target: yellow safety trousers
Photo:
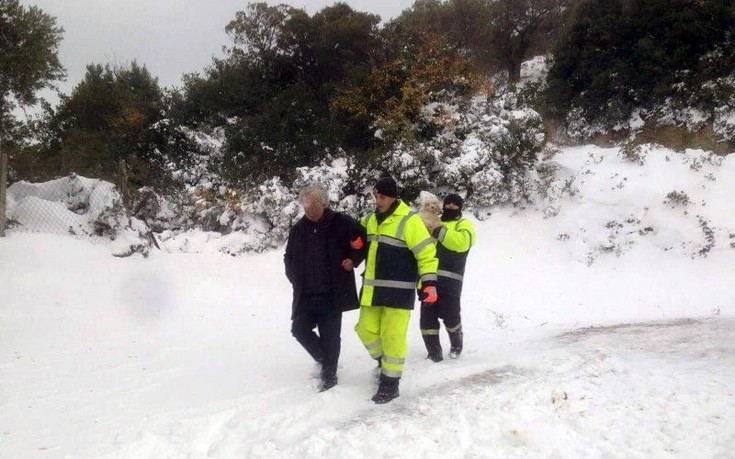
(383, 331)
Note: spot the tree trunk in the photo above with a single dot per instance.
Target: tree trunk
(514, 70)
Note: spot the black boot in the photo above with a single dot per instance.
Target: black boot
(387, 390)
(455, 340)
(434, 347)
(329, 377)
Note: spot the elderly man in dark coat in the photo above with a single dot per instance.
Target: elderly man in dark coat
(323, 249)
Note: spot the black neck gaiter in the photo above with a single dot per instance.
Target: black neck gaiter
(449, 215)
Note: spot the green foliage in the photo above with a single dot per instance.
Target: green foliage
(619, 55)
(29, 62)
(273, 92)
(112, 114)
(394, 94)
(295, 88)
(495, 35)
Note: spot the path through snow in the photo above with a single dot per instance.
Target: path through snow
(661, 389)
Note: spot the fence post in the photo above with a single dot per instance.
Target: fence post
(124, 190)
(3, 184)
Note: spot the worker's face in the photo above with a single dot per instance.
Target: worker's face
(383, 202)
(313, 209)
(451, 205)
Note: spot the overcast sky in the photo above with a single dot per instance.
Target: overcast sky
(170, 37)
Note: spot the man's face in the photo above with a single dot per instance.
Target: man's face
(383, 202)
(451, 205)
(313, 209)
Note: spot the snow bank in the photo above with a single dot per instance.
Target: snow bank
(76, 206)
(71, 205)
(673, 202)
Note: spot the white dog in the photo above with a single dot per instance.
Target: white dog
(429, 210)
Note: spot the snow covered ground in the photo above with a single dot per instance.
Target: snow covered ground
(607, 330)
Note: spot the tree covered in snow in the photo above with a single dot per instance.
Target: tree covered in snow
(668, 59)
(483, 151)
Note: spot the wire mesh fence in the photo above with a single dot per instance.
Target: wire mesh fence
(3, 183)
(75, 206)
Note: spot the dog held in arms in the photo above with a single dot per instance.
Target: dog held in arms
(430, 208)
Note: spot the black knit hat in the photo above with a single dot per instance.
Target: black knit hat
(454, 199)
(387, 187)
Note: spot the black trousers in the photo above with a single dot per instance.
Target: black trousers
(319, 311)
(446, 308)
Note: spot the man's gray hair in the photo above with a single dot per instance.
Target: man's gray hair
(314, 193)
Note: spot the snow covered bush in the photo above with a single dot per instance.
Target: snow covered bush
(80, 207)
(272, 209)
(724, 123)
(159, 212)
(677, 198)
(348, 185)
(709, 237)
(599, 76)
(71, 205)
(633, 153)
(484, 151)
(551, 184)
(413, 166)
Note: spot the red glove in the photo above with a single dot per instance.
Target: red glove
(428, 294)
(357, 243)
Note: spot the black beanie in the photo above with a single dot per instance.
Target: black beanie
(454, 199)
(387, 187)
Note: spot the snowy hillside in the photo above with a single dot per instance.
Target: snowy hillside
(599, 322)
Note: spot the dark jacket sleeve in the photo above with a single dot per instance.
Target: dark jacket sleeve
(288, 256)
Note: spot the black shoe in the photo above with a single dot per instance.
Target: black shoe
(434, 357)
(381, 398)
(387, 390)
(327, 383)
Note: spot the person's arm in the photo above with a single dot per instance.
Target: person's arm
(457, 238)
(288, 256)
(423, 247)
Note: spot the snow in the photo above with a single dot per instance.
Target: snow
(70, 205)
(613, 341)
(534, 70)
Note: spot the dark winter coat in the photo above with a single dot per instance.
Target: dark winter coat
(340, 229)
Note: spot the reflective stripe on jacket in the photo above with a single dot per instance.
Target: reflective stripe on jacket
(400, 253)
(454, 241)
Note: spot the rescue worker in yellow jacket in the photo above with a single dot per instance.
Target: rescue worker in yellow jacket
(454, 238)
(401, 257)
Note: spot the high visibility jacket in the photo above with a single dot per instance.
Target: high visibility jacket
(454, 240)
(400, 253)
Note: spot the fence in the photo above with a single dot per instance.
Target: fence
(3, 184)
(72, 205)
